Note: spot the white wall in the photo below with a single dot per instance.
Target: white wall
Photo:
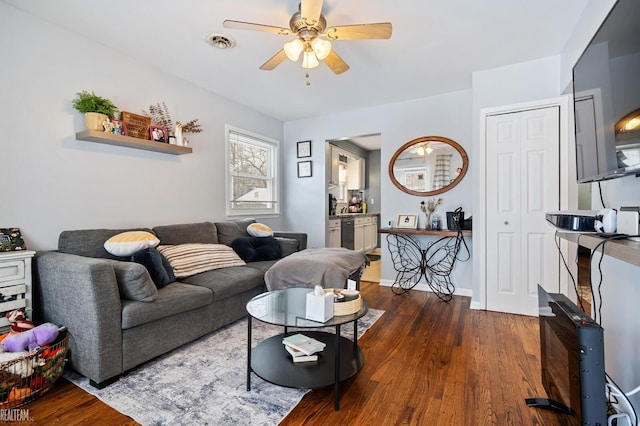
(51, 182)
(444, 115)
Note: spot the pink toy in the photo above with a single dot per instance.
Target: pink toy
(27, 340)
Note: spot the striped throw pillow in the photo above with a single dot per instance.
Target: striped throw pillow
(191, 259)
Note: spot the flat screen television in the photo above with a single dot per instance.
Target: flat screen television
(606, 90)
(572, 362)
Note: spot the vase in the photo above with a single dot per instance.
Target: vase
(428, 224)
(94, 120)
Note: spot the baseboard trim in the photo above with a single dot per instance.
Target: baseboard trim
(424, 287)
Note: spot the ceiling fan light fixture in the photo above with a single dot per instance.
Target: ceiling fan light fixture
(309, 59)
(293, 49)
(321, 48)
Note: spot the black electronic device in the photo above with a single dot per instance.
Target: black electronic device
(572, 362)
(606, 93)
(573, 220)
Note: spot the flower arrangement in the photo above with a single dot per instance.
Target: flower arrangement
(428, 208)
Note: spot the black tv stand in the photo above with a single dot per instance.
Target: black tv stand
(549, 404)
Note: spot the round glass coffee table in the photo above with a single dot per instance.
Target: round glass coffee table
(340, 360)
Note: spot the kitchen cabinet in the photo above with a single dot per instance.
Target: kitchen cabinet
(355, 173)
(335, 168)
(370, 233)
(334, 238)
(347, 169)
(358, 233)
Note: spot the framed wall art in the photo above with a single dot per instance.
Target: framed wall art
(158, 134)
(303, 149)
(409, 221)
(304, 169)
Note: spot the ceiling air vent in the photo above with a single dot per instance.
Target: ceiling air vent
(221, 41)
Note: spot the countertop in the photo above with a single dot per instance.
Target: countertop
(346, 215)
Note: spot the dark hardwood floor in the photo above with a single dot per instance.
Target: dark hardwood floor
(426, 363)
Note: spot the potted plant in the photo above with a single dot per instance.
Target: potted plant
(96, 109)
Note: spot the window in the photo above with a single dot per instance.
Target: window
(252, 164)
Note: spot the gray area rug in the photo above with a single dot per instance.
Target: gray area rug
(204, 382)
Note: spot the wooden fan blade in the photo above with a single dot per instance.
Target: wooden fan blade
(336, 63)
(275, 60)
(239, 25)
(380, 30)
(310, 11)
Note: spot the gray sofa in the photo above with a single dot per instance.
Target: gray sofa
(83, 287)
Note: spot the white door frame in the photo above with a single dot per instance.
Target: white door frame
(568, 187)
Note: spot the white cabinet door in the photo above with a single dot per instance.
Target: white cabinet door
(358, 235)
(335, 233)
(355, 173)
(335, 170)
(522, 183)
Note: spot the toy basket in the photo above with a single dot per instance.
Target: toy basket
(24, 379)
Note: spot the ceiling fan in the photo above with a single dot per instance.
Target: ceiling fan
(313, 37)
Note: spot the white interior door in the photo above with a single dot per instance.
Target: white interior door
(522, 183)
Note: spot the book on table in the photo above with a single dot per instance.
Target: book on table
(306, 345)
(298, 356)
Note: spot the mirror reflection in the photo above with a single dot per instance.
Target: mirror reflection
(428, 166)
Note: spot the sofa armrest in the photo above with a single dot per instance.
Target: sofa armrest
(301, 237)
(82, 294)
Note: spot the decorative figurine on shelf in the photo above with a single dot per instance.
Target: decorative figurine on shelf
(428, 208)
(178, 134)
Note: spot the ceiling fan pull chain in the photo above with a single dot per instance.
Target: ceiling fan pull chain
(307, 77)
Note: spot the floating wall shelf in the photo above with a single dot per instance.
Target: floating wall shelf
(129, 142)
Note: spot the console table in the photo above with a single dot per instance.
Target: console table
(434, 262)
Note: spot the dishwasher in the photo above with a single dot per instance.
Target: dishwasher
(347, 232)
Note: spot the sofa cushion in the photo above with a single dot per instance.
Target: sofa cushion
(134, 281)
(203, 233)
(287, 246)
(228, 282)
(255, 249)
(173, 299)
(190, 259)
(232, 229)
(157, 265)
(90, 242)
(130, 242)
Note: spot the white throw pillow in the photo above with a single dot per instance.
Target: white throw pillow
(130, 242)
(259, 230)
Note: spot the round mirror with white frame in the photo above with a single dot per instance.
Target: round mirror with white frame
(428, 166)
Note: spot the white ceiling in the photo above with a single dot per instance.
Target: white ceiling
(435, 46)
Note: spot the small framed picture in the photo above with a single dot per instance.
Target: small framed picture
(11, 240)
(119, 127)
(304, 169)
(159, 134)
(304, 149)
(409, 221)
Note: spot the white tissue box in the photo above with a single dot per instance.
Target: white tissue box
(319, 308)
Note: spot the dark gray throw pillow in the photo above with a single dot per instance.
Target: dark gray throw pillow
(255, 249)
(157, 265)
